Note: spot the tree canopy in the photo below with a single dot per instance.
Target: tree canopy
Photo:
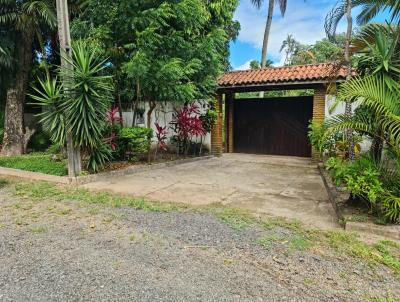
(161, 51)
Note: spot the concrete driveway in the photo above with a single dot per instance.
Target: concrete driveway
(281, 186)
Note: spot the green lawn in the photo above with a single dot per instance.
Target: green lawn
(35, 163)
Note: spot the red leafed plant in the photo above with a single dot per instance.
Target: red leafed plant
(161, 134)
(187, 124)
(113, 115)
(111, 141)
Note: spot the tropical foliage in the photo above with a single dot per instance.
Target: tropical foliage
(23, 28)
(78, 108)
(374, 176)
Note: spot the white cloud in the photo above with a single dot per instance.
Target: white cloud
(244, 66)
(304, 20)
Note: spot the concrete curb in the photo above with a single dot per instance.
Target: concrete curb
(81, 180)
(335, 197)
(390, 231)
(338, 199)
(34, 175)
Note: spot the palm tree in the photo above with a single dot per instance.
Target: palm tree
(88, 91)
(331, 21)
(271, 3)
(369, 10)
(378, 48)
(24, 21)
(290, 46)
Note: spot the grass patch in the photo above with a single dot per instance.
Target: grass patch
(384, 252)
(296, 238)
(236, 218)
(273, 222)
(44, 190)
(293, 242)
(3, 183)
(38, 229)
(35, 163)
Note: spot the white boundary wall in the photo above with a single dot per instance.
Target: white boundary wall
(163, 115)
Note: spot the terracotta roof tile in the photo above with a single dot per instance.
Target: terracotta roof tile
(287, 74)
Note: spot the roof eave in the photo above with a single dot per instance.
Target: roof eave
(276, 85)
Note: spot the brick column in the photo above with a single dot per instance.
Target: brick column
(318, 112)
(216, 132)
(231, 121)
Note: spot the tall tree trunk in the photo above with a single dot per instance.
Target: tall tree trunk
(152, 106)
(14, 128)
(121, 119)
(74, 154)
(348, 110)
(136, 104)
(376, 149)
(266, 37)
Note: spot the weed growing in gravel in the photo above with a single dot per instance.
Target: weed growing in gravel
(38, 229)
(384, 252)
(43, 190)
(273, 222)
(293, 242)
(383, 300)
(236, 218)
(3, 183)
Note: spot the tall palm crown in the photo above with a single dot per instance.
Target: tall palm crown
(369, 10)
(282, 6)
(290, 46)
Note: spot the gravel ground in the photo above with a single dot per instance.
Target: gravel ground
(64, 251)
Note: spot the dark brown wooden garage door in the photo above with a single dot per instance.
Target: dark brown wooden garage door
(273, 126)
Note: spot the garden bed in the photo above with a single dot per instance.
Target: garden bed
(36, 162)
(353, 217)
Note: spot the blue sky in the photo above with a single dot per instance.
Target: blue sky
(303, 19)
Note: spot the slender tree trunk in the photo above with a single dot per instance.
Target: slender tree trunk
(348, 110)
(152, 106)
(266, 37)
(376, 149)
(136, 103)
(73, 151)
(266, 34)
(14, 128)
(121, 120)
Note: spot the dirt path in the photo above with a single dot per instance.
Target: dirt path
(66, 251)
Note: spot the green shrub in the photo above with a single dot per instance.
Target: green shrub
(136, 140)
(338, 169)
(99, 157)
(366, 184)
(35, 163)
(365, 179)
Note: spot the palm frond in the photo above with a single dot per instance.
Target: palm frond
(373, 93)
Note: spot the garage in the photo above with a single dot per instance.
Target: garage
(276, 126)
(272, 126)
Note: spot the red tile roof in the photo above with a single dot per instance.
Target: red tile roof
(288, 74)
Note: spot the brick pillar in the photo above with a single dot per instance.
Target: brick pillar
(231, 108)
(216, 132)
(229, 97)
(318, 112)
(226, 123)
